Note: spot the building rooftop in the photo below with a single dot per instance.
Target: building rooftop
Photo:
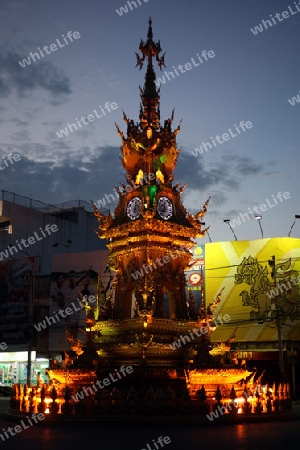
(57, 209)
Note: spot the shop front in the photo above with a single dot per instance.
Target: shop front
(13, 368)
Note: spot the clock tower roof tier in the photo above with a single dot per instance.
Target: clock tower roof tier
(148, 225)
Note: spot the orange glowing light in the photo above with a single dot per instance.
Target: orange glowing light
(159, 176)
(139, 177)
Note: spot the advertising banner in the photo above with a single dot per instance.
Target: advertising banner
(75, 276)
(195, 277)
(256, 288)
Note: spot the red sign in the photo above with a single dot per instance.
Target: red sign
(196, 278)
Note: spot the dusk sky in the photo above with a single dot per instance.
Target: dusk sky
(250, 79)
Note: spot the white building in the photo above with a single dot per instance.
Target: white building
(22, 218)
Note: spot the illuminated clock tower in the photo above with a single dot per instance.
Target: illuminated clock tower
(150, 232)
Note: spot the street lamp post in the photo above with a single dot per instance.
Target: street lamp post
(229, 224)
(295, 218)
(29, 278)
(259, 217)
(203, 223)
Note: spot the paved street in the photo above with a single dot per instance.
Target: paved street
(76, 437)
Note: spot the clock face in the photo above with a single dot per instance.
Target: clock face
(134, 208)
(164, 208)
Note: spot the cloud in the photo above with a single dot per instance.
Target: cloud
(245, 166)
(20, 136)
(39, 75)
(19, 122)
(65, 176)
(10, 7)
(229, 171)
(215, 178)
(88, 173)
(217, 198)
(110, 79)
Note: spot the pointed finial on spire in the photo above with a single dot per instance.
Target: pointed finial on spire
(149, 113)
(150, 33)
(149, 49)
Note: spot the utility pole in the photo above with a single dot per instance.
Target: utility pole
(292, 354)
(272, 263)
(30, 320)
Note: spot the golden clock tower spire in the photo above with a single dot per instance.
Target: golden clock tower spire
(150, 233)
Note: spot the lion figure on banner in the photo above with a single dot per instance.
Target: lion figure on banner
(263, 292)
